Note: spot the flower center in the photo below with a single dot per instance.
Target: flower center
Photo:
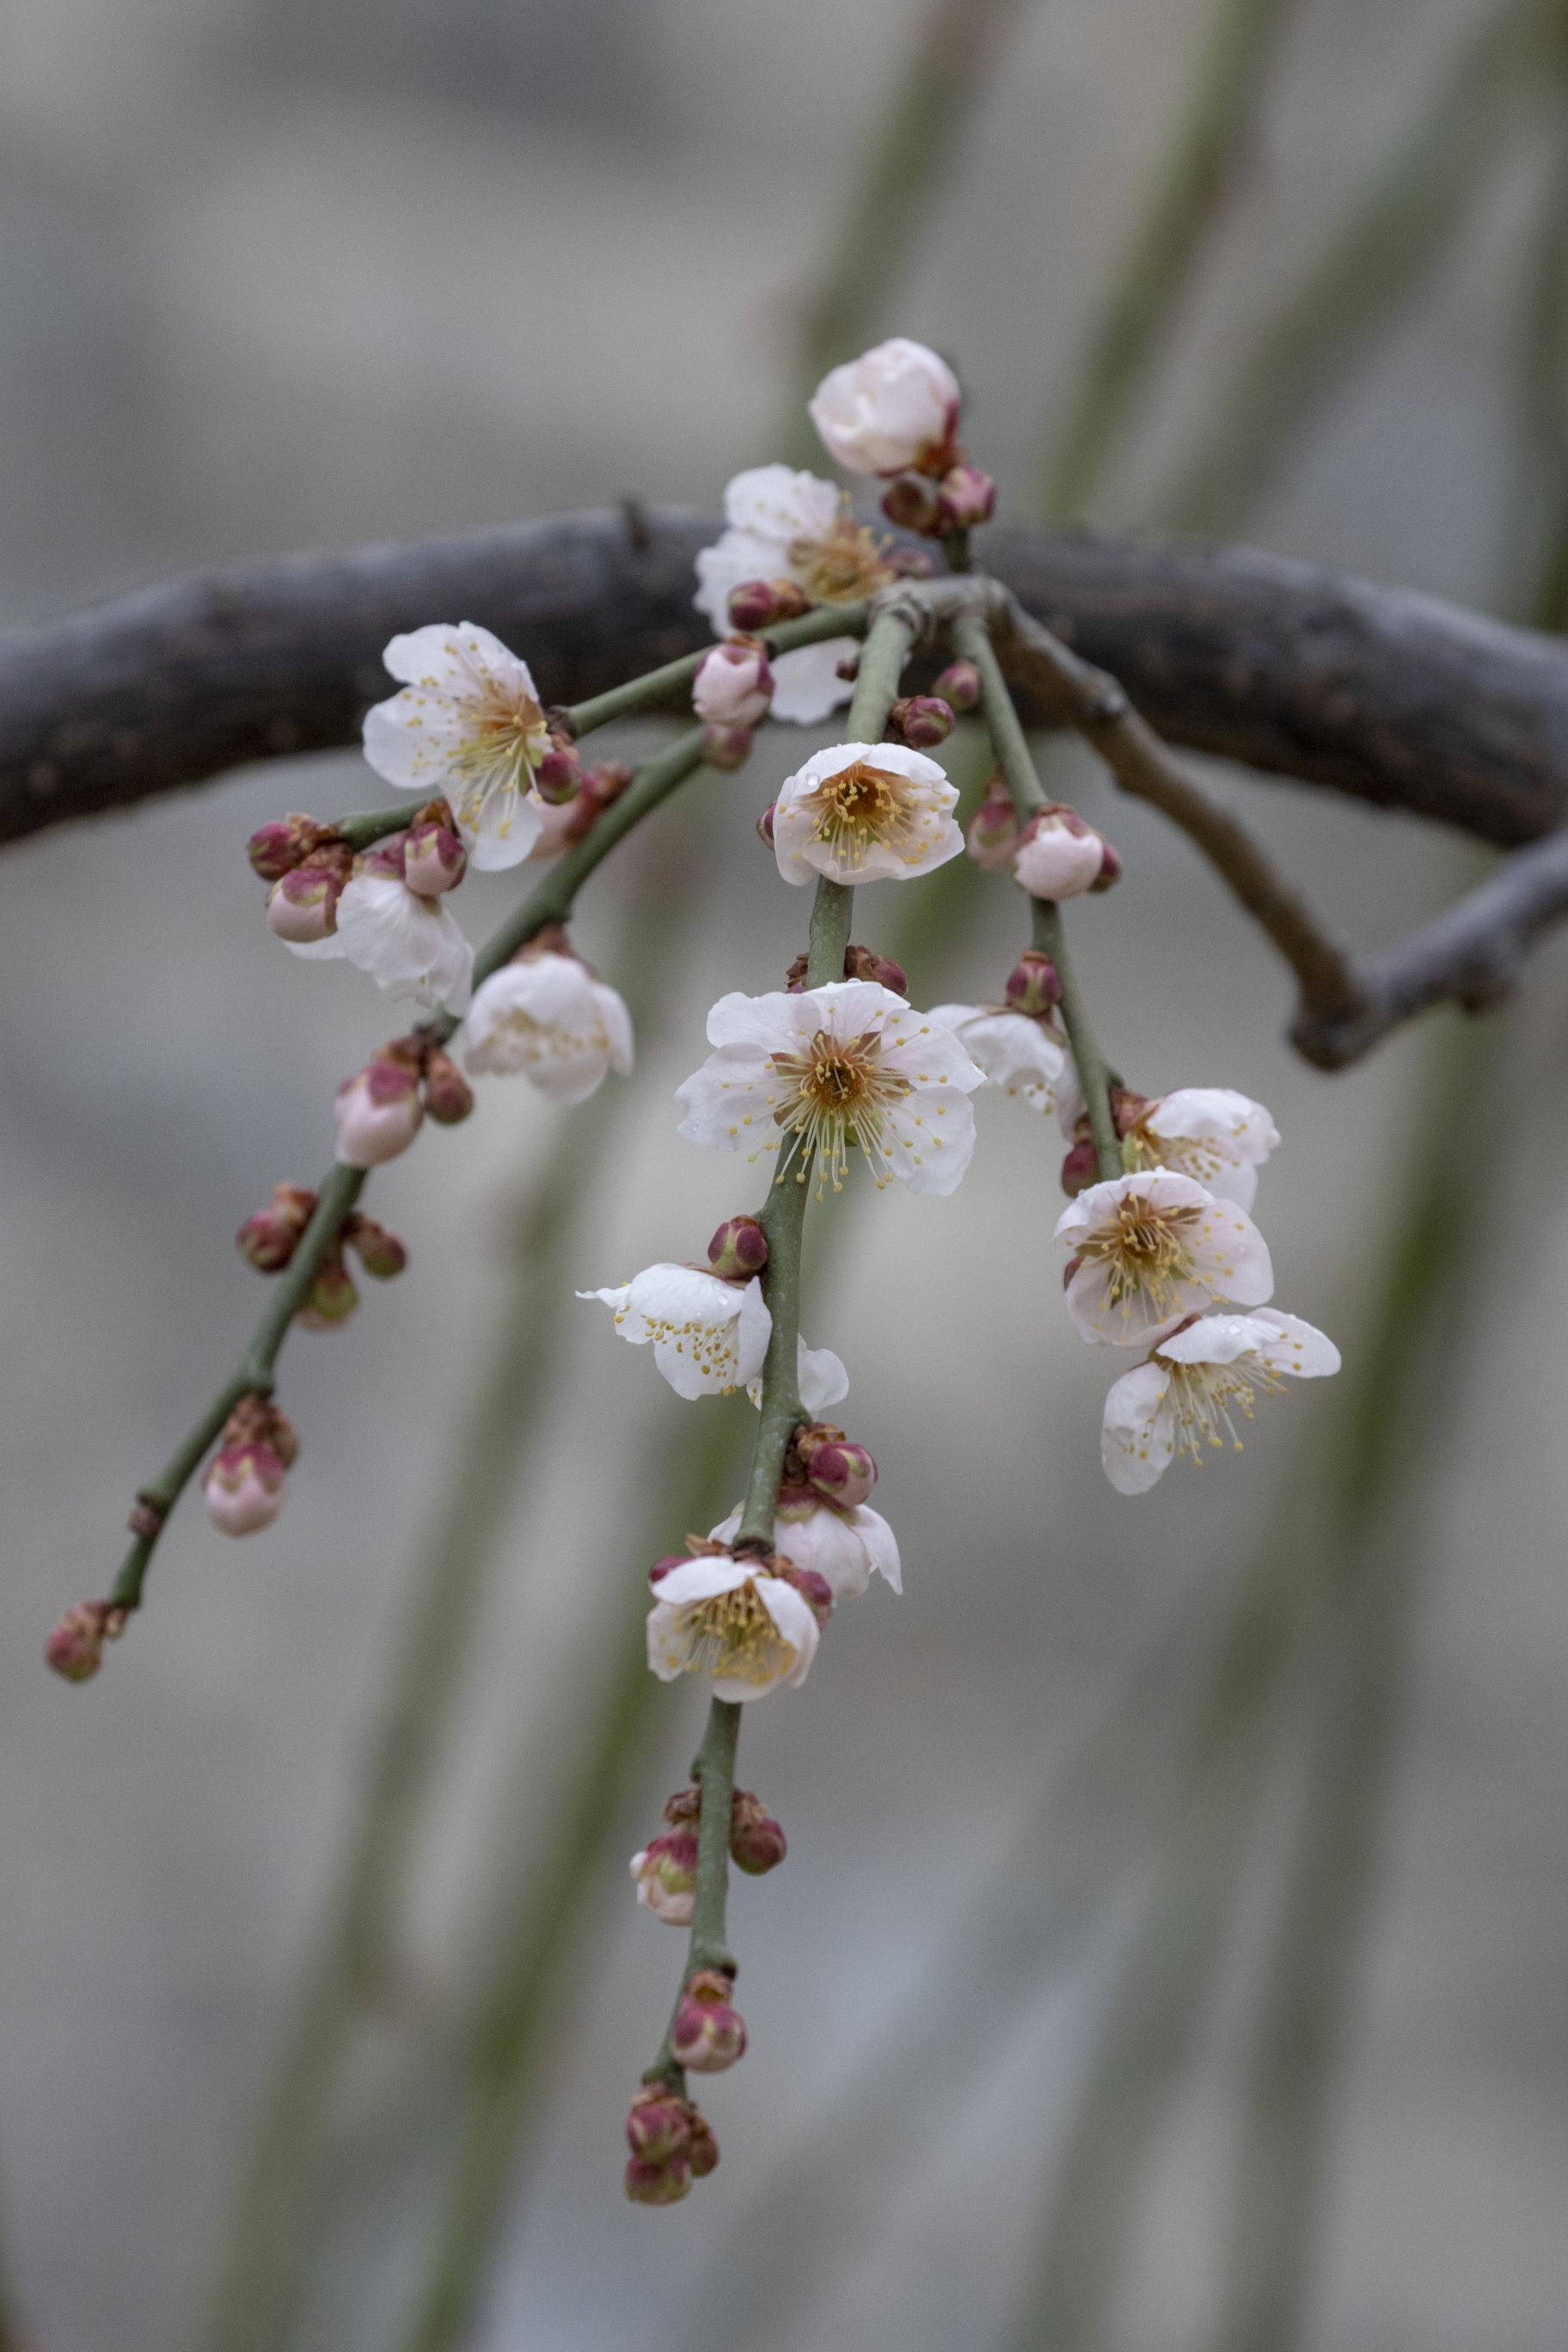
(1202, 1397)
(732, 1635)
(838, 1095)
(517, 1041)
(1143, 1248)
(841, 567)
(863, 804)
(1187, 1155)
(504, 739)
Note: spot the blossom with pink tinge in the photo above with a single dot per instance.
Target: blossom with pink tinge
(657, 2184)
(1059, 856)
(1210, 1369)
(843, 1547)
(841, 1471)
(1147, 1250)
(734, 685)
(434, 861)
(302, 909)
(275, 849)
(992, 836)
(244, 1488)
(665, 1872)
(894, 408)
(708, 2034)
(738, 1250)
(547, 1018)
(966, 497)
(781, 526)
(379, 1113)
(920, 720)
(747, 1632)
(959, 685)
(865, 812)
(467, 724)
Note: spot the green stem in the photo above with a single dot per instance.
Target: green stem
(876, 681)
(374, 825)
(1095, 1075)
(714, 1773)
(339, 1190)
(659, 685)
(972, 640)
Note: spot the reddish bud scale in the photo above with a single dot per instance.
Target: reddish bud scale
(762, 603)
(757, 1843)
(1081, 1169)
(657, 2184)
(1033, 985)
(560, 771)
(843, 1475)
(967, 497)
(1109, 871)
(332, 1298)
(738, 1250)
(708, 2034)
(913, 503)
(449, 1097)
(658, 2125)
(992, 835)
(920, 720)
(766, 825)
(277, 848)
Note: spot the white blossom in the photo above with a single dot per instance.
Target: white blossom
(709, 1336)
(781, 525)
(864, 812)
(820, 1378)
(547, 1019)
(819, 1073)
(1216, 1137)
(411, 947)
(469, 725)
(893, 407)
(1016, 1051)
(1147, 1249)
(729, 1619)
(1185, 1393)
(1059, 859)
(843, 1547)
(734, 686)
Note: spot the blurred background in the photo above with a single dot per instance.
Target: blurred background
(1172, 1948)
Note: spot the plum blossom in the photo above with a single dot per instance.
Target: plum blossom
(841, 1546)
(547, 1017)
(467, 723)
(709, 1335)
(244, 1488)
(748, 1632)
(895, 407)
(820, 1378)
(378, 1112)
(864, 812)
(734, 686)
(1015, 1050)
(664, 1874)
(1216, 1137)
(781, 525)
(1145, 1250)
(845, 1066)
(1184, 1394)
(1059, 856)
(411, 947)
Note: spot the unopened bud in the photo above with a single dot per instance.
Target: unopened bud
(993, 835)
(665, 1875)
(1059, 856)
(762, 603)
(268, 1240)
(864, 963)
(702, 2148)
(708, 2034)
(277, 848)
(1033, 985)
(379, 1251)
(435, 860)
(662, 1566)
(1080, 1168)
(303, 906)
(449, 1097)
(738, 1249)
(658, 2125)
(960, 686)
(378, 1113)
(386, 860)
(967, 497)
(559, 773)
(657, 2184)
(765, 823)
(734, 685)
(849, 669)
(726, 746)
(244, 1488)
(920, 720)
(1110, 870)
(75, 1648)
(844, 1474)
(757, 1843)
(332, 1298)
(913, 503)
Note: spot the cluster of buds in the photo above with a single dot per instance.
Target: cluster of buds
(671, 2145)
(382, 1108)
(268, 1240)
(309, 866)
(960, 499)
(1060, 855)
(567, 821)
(731, 695)
(859, 964)
(1081, 1167)
(894, 412)
(246, 1478)
(665, 1872)
(75, 1648)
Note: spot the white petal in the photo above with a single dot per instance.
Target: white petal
(1298, 1347)
(806, 684)
(935, 839)
(1216, 1114)
(1137, 1439)
(700, 1579)
(411, 947)
(881, 1544)
(543, 1020)
(328, 950)
(1231, 1256)
(1216, 1339)
(930, 1139)
(509, 823)
(1014, 1051)
(776, 503)
(822, 1379)
(827, 1542)
(617, 1023)
(448, 658)
(793, 1618)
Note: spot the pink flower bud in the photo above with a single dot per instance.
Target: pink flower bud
(910, 562)
(662, 1567)
(765, 823)
(757, 1843)
(332, 1298)
(708, 2034)
(734, 686)
(968, 497)
(726, 746)
(435, 860)
(75, 1648)
(386, 860)
(814, 1589)
(277, 848)
(379, 1251)
(913, 503)
(1080, 1168)
(893, 407)
(378, 1114)
(738, 1249)
(449, 1097)
(1110, 870)
(268, 1240)
(920, 720)
(763, 604)
(244, 1488)
(1032, 986)
(960, 686)
(657, 2184)
(844, 1474)
(703, 2149)
(1059, 856)
(303, 906)
(665, 1875)
(863, 963)
(659, 2126)
(560, 772)
(992, 835)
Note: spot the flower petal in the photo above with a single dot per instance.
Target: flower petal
(1299, 1348)
(881, 1544)
(1137, 1441)
(806, 684)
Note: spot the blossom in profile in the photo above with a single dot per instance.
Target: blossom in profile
(820, 1378)
(864, 812)
(783, 526)
(413, 947)
(747, 1632)
(664, 1874)
(842, 1068)
(548, 1018)
(734, 686)
(1059, 856)
(1146, 1250)
(844, 1548)
(1182, 1399)
(379, 1111)
(1015, 1050)
(1219, 1138)
(709, 1335)
(895, 408)
(467, 724)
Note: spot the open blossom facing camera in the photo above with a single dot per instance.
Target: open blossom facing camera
(467, 723)
(729, 1619)
(865, 812)
(1212, 1134)
(894, 407)
(547, 1018)
(781, 525)
(1204, 1372)
(1147, 1249)
(1015, 1050)
(816, 1076)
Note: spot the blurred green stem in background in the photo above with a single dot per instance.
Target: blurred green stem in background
(1371, 266)
(1543, 372)
(943, 76)
(1191, 191)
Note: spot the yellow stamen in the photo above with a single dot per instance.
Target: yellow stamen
(843, 566)
(1143, 1248)
(732, 1635)
(837, 1097)
(863, 806)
